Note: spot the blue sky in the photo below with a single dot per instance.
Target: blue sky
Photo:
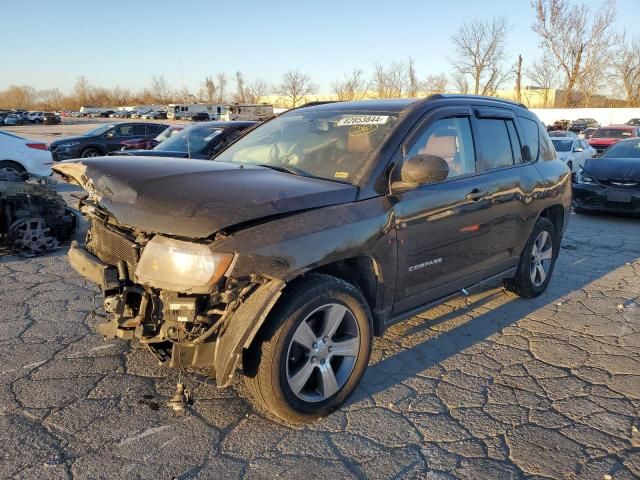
(49, 43)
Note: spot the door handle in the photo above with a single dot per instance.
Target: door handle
(476, 194)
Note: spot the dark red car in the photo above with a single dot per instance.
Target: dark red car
(149, 143)
(604, 137)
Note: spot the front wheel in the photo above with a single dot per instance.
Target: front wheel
(90, 152)
(312, 354)
(536, 261)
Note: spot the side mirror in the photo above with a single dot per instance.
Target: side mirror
(421, 169)
(578, 149)
(526, 153)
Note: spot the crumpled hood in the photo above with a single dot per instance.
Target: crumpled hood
(196, 198)
(613, 168)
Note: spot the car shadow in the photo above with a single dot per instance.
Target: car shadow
(430, 338)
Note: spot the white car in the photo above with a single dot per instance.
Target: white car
(21, 154)
(11, 119)
(34, 117)
(573, 151)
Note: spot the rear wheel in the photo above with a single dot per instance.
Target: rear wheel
(536, 261)
(10, 166)
(313, 352)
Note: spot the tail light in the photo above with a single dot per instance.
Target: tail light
(38, 146)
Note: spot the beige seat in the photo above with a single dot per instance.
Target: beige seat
(443, 147)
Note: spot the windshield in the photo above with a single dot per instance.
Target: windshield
(166, 133)
(612, 133)
(98, 131)
(198, 137)
(334, 145)
(630, 149)
(562, 145)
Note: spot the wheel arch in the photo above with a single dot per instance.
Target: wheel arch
(557, 215)
(15, 163)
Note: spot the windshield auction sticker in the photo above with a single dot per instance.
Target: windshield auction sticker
(362, 120)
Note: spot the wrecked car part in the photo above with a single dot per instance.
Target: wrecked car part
(33, 217)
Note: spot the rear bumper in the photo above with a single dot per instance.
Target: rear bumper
(595, 198)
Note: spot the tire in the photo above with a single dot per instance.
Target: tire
(8, 165)
(275, 361)
(90, 152)
(527, 283)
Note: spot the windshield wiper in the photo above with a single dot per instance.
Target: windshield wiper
(278, 168)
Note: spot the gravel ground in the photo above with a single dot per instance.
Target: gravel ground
(491, 386)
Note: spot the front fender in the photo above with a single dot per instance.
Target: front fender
(242, 326)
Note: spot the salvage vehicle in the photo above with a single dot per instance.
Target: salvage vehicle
(317, 230)
(611, 182)
(581, 124)
(604, 137)
(34, 218)
(50, 118)
(103, 139)
(203, 141)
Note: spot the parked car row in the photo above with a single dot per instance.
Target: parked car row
(18, 117)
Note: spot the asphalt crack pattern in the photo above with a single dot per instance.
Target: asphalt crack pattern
(489, 386)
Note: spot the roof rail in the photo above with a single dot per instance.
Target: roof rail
(438, 96)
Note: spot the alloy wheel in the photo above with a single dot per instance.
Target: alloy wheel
(323, 352)
(541, 258)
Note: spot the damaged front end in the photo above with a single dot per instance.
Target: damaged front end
(177, 297)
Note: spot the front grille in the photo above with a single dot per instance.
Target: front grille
(111, 246)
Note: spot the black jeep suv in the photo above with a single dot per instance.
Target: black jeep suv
(316, 231)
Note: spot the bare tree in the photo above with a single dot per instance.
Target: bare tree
(160, 89)
(435, 84)
(543, 74)
(626, 67)
(389, 82)
(577, 38)
(82, 90)
(295, 86)
(352, 87)
(257, 90)
(50, 99)
(209, 90)
(241, 89)
(519, 79)
(481, 53)
(413, 85)
(461, 83)
(222, 85)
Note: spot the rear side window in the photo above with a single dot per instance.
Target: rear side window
(138, 131)
(531, 136)
(495, 144)
(547, 150)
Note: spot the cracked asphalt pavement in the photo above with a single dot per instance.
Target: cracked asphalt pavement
(489, 386)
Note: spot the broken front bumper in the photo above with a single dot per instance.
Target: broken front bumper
(154, 317)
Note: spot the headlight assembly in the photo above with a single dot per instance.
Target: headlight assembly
(582, 177)
(180, 266)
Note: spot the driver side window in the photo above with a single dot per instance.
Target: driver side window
(450, 139)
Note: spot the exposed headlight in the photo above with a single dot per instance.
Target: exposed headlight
(69, 144)
(180, 266)
(582, 177)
